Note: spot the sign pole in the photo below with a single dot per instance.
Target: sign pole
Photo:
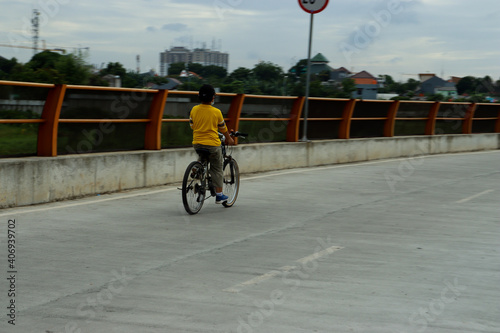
(308, 79)
(312, 7)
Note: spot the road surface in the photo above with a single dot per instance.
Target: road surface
(401, 245)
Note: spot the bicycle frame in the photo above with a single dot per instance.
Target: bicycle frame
(197, 179)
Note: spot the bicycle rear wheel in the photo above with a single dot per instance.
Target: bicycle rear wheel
(231, 180)
(193, 188)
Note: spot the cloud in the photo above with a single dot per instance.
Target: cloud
(174, 27)
(396, 60)
(419, 35)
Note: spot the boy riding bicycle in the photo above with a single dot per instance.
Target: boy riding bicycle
(206, 122)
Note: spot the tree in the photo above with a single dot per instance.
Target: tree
(213, 71)
(466, 85)
(485, 85)
(132, 79)
(324, 75)
(73, 70)
(236, 86)
(348, 87)
(176, 68)
(240, 74)
(411, 85)
(299, 68)
(45, 59)
(267, 71)
(435, 97)
(191, 85)
(6, 66)
(114, 68)
(195, 68)
(97, 80)
(388, 79)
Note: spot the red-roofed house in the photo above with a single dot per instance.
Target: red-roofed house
(366, 85)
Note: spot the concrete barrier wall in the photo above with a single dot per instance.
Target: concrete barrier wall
(35, 180)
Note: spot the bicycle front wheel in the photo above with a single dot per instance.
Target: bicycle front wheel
(231, 181)
(193, 188)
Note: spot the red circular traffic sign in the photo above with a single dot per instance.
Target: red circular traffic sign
(313, 6)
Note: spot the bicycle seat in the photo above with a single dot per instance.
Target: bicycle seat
(204, 153)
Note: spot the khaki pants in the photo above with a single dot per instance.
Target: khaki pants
(216, 161)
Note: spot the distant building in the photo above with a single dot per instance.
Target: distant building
(447, 92)
(366, 85)
(455, 79)
(319, 64)
(170, 85)
(340, 74)
(429, 86)
(204, 57)
(425, 76)
(113, 80)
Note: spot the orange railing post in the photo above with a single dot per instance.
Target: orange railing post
(497, 124)
(234, 113)
(47, 132)
(430, 127)
(152, 140)
(345, 124)
(391, 119)
(292, 129)
(468, 119)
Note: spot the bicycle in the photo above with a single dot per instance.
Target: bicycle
(197, 181)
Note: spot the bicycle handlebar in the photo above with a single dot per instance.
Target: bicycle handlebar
(239, 134)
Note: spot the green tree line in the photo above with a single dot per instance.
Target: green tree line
(265, 78)
(475, 89)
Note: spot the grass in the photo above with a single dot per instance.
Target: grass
(18, 139)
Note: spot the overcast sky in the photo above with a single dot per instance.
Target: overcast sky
(395, 37)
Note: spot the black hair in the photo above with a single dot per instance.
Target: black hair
(206, 93)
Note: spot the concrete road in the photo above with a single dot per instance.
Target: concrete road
(403, 245)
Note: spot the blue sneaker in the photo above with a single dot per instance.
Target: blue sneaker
(220, 198)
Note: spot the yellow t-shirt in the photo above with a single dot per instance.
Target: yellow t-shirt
(206, 121)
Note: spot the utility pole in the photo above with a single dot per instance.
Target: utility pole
(35, 27)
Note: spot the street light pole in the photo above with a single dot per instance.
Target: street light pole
(308, 80)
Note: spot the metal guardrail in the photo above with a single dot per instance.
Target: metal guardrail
(345, 113)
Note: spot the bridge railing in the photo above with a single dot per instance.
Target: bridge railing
(86, 119)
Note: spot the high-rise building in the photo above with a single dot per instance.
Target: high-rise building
(204, 57)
